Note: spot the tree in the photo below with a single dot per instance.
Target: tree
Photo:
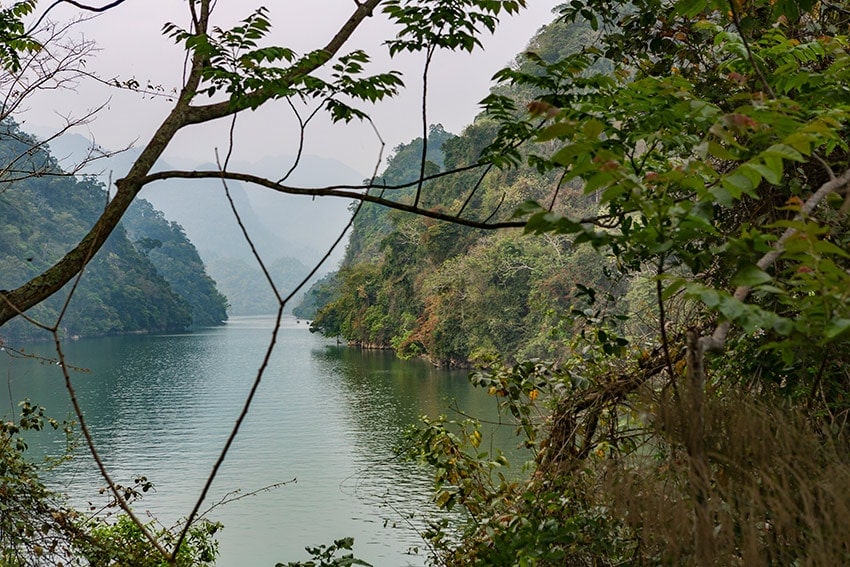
(714, 135)
(230, 71)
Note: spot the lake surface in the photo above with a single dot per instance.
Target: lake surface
(327, 415)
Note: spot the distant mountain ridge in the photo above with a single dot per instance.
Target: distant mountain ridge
(290, 232)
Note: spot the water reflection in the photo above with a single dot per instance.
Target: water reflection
(327, 415)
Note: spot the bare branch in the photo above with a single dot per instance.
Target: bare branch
(429, 54)
(87, 8)
(355, 192)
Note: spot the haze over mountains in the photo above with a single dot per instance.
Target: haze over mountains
(290, 232)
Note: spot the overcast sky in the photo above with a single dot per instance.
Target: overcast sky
(131, 45)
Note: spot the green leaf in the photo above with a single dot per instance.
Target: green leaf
(709, 297)
(598, 181)
(783, 326)
(837, 327)
(442, 498)
(828, 248)
(593, 128)
(557, 130)
(720, 151)
(568, 154)
(750, 275)
(733, 309)
(801, 141)
(671, 289)
(783, 151)
(690, 8)
(771, 174)
(737, 183)
(527, 208)
(723, 196)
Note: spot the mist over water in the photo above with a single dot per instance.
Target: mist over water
(326, 415)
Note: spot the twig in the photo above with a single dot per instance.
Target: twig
(429, 53)
(236, 495)
(737, 21)
(87, 8)
(662, 324)
(475, 190)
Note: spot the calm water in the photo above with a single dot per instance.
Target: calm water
(326, 415)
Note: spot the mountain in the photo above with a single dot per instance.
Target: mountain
(289, 232)
(309, 225)
(244, 283)
(280, 225)
(122, 289)
(165, 244)
(454, 294)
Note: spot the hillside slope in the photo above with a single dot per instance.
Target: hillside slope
(454, 294)
(122, 289)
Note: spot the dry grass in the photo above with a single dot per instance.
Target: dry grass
(779, 490)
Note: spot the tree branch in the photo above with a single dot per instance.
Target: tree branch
(355, 192)
(87, 8)
(214, 111)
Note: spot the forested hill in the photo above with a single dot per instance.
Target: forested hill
(166, 246)
(147, 277)
(455, 294)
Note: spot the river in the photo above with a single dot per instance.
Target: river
(326, 415)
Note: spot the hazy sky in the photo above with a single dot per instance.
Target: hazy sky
(131, 45)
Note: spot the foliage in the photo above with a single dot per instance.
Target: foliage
(237, 64)
(629, 500)
(326, 556)
(316, 297)
(512, 520)
(444, 24)
(454, 294)
(403, 168)
(703, 169)
(13, 37)
(122, 543)
(227, 71)
(460, 478)
(34, 521)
